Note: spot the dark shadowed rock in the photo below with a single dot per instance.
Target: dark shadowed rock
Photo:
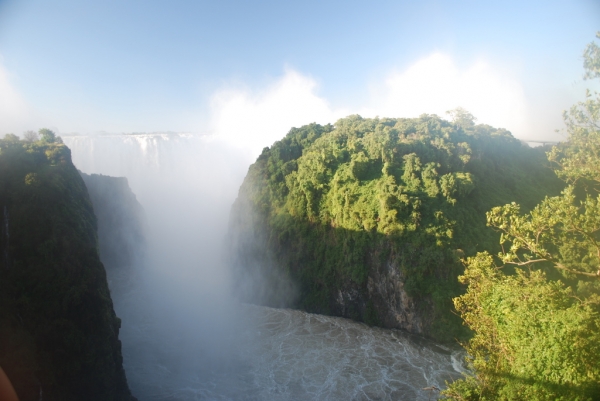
(59, 335)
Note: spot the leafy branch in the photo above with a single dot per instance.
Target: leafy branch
(532, 238)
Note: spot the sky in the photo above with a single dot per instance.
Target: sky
(250, 70)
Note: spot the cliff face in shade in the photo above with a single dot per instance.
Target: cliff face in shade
(121, 227)
(58, 330)
(368, 219)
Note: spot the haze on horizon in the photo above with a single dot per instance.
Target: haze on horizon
(248, 72)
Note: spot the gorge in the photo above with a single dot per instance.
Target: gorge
(363, 220)
(185, 337)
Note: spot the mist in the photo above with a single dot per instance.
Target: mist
(179, 309)
(186, 334)
(248, 117)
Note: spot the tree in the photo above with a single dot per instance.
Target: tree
(11, 138)
(47, 135)
(535, 339)
(535, 309)
(591, 58)
(462, 117)
(30, 136)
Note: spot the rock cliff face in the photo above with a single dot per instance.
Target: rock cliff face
(384, 302)
(121, 227)
(368, 219)
(58, 329)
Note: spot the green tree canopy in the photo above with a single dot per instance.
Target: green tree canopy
(462, 117)
(535, 310)
(47, 135)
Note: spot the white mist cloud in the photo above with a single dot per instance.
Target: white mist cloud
(14, 111)
(435, 84)
(254, 120)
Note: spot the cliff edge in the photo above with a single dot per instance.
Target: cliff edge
(58, 329)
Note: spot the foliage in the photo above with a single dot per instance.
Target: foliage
(48, 136)
(30, 136)
(534, 338)
(560, 232)
(58, 329)
(337, 203)
(537, 324)
(462, 117)
(591, 60)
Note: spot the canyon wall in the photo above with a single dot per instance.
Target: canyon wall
(59, 335)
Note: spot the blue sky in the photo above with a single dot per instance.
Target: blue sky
(223, 66)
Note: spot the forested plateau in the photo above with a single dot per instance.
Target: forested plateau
(369, 218)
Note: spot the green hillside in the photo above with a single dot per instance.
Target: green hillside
(338, 214)
(58, 330)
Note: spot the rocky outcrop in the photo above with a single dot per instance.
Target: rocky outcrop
(385, 288)
(383, 301)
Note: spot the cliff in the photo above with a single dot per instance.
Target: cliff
(58, 330)
(121, 227)
(368, 219)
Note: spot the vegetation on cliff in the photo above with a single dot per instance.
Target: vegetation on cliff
(535, 308)
(330, 205)
(58, 330)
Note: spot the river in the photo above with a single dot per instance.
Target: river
(280, 354)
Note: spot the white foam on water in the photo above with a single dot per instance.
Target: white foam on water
(281, 355)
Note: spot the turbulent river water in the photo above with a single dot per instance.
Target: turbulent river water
(279, 354)
(185, 338)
